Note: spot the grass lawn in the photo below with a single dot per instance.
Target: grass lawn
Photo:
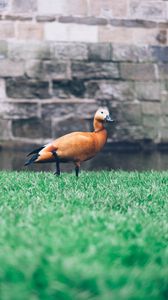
(103, 236)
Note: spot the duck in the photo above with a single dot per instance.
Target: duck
(75, 147)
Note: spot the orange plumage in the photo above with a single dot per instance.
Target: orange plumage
(74, 147)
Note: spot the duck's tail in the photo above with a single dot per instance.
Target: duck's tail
(32, 159)
(35, 154)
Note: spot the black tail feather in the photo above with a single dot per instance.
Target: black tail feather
(32, 159)
(36, 151)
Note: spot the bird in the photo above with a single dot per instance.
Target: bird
(75, 147)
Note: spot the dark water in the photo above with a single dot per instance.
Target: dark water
(140, 161)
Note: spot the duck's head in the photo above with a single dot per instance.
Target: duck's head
(102, 115)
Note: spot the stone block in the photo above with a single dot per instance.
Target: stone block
(73, 51)
(150, 133)
(7, 30)
(165, 121)
(162, 36)
(18, 17)
(5, 129)
(83, 33)
(9, 110)
(165, 85)
(119, 35)
(164, 107)
(69, 88)
(22, 6)
(92, 88)
(132, 53)
(131, 113)
(135, 133)
(163, 24)
(144, 36)
(164, 96)
(29, 31)
(46, 18)
(100, 52)
(146, 10)
(133, 23)
(4, 5)
(29, 50)
(2, 90)
(63, 7)
(56, 32)
(160, 53)
(60, 110)
(9, 68)
(23, 88)
(57, 110)
(108, 8)
(135, 71)
(95, 70)
(61, 32)
(163, 71)
(83, 20)
(69, 124)
(46, 70)
(110, 90)
(150, 108)
(3, 49)
(32, 128)
(151, 121)
(127, 134)
(164, 134)
(148, 90)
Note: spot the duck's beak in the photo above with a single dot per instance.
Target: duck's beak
(108, 119)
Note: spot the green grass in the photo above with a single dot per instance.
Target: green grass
(103, 236)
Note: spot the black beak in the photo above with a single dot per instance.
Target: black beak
(108, 119)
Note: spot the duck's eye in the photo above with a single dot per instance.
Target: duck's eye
(101, 112)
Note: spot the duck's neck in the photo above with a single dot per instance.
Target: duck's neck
(100, 134)
(98, 126)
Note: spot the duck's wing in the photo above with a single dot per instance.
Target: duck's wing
(75, 146)
(78, 146)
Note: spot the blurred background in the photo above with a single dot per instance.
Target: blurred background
(62, 59)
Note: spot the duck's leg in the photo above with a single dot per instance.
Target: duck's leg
(58, 172)
(77, 166)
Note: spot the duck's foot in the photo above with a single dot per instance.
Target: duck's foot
(77, 171)
(58, 172)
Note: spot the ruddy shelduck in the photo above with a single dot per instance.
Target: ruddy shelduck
(74, 147)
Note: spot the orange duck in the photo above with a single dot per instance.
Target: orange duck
(74, 147)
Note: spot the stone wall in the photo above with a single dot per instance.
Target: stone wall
(61, 59)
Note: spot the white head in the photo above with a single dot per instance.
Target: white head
(102, 115)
